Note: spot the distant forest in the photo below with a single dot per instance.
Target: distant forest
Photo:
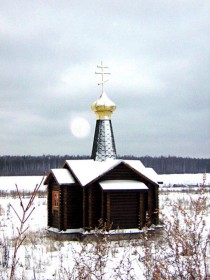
(41, 165)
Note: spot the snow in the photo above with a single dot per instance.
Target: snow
(63, 176)
(88, 170)
(184, 179)
(28, 183)
(75, 230)
(24, 183)
(150, 173)
(41, 257)
(139, 167)
(122, 185)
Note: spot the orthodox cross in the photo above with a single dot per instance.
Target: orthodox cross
(102, 73)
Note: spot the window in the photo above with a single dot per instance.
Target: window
(55, 200)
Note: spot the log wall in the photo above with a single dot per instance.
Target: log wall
(96, 205)
(121, 172)
(124, 209)
(72, 207)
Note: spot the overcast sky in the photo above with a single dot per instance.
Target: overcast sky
(158, 52)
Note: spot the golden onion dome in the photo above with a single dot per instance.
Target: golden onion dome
(103, 107)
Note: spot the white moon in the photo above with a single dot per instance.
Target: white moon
(80, 127)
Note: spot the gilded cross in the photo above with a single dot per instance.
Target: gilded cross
(102, 73)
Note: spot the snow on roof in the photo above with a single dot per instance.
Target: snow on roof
(63, 176)
(122, 185)
(88, 170)
(150, 173)
(139, 167)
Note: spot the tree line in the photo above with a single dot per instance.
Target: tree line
(41, 165)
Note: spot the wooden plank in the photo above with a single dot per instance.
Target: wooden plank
(49, 206)
(156, 206)
(90, 208)
(153, 204)
(102, 206)
(108, 209)
(121, 172)
(124, 211)
(142, 212)
(84, 209)
(74, 207)
(150, 206)
(96, 205)
(65, 207)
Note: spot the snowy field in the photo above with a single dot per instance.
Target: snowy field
(43, 258)
(24, 183)
(27, 183)
(184, 179)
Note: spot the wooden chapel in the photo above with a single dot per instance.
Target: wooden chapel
(121, 194)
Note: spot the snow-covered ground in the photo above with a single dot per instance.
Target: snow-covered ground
(184, 179)
(42, 257)
(28, 183)
(25, 183)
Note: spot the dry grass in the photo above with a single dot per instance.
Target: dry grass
(179, 251)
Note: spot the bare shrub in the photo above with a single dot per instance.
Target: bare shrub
(178, 251)
(90, 261)
(21, 230)
(181, 252)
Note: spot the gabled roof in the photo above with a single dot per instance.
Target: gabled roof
(62, 176)
(87, 171)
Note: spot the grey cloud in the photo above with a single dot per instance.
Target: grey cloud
(158, 53)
